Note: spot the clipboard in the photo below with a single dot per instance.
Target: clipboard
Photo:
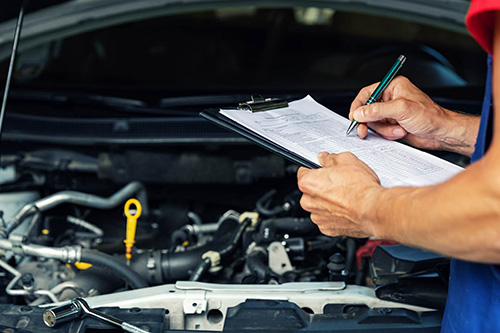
(256, 105)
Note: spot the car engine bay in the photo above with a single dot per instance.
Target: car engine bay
(224, 234)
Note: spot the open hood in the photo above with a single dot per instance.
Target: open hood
(74, 17)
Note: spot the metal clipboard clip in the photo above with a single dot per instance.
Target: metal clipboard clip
(259, 103)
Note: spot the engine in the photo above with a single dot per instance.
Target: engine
(95, 226)
(49, 247)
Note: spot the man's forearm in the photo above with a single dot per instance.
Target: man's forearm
(460, 132)
(459, 218)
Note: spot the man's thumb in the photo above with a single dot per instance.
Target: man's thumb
(359, 115)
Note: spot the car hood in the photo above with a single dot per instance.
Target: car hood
(74, 17)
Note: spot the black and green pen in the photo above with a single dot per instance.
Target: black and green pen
(381, 87)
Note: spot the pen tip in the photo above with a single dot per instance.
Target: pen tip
(351, 127)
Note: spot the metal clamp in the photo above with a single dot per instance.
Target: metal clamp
(259, 103)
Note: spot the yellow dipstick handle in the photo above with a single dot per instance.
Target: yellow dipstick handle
(131, 226)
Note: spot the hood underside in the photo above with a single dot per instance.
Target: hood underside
(74, 17)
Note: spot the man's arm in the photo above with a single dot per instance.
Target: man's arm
(407, 113)
(459, 218)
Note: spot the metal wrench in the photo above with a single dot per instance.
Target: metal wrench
(79, 308)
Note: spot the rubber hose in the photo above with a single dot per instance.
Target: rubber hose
(296, 225)
(235, 239)
(351, 255)
(256, 263)
(263, 203)
(200, 271)
(105, 260)
(291, 225)
(205, 264)
(173, 266)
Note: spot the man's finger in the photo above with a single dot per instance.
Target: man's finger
(312, 204)
(303, 171)
(307, 179)
(391, 132)
(362, 130)
(363, 95)
(398, 109)
(396, 88)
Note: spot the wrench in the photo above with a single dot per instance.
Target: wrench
(79, 308)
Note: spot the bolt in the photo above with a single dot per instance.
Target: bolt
(27, 280)
(385, 310)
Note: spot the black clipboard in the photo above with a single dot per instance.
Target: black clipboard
(216, 117)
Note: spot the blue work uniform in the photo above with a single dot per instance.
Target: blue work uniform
(473, 303)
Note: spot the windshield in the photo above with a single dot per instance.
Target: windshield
(249, 50)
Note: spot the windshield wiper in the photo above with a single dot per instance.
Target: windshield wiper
(119, 104)
(75, 98)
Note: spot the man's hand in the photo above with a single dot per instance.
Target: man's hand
(338, 194)
(405, 112)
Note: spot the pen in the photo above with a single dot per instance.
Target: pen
(381, 87)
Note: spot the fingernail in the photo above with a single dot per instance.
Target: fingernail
(398, 132)
(359, 114)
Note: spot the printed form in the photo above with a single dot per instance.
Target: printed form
(308, 128)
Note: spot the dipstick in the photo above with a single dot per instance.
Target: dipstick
(132, 217)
